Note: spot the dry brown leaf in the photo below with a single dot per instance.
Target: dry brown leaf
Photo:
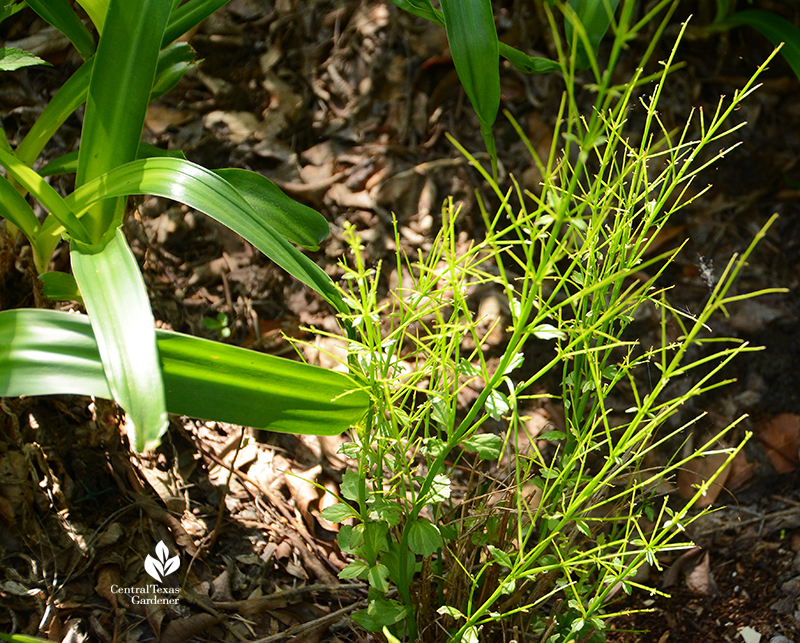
(303, 491)
(700, 580)
(252, 606)
(107, 576)
(160, 118)
(7, 511)
(184, 629)
(166, 486)
(742, 472)
(700, 470)
(750, 635)
(14, 484)
(340, 194)
(330, 445)
(781, 439)
(671, 576)
(284, 102)
(492, 315)
(328, 352)
(221, 588)
(242, 126)
(663, 236)
(327, 500)
(155, 617)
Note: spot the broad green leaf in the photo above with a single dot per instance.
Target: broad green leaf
(46, 195)
(515, 363)
(216, 381)
(497, 405)
(401, 563)
(349, 486)
(68, 163)
(60, 286)
(188, 15)
(440, 490)
(375, 532)
(487, 446)
(470, 635)
(10, 7)
(296, 222)
(96, 10)
(116, 299)
(21, 638)
(450, 611)
(520, 60)
(59, 14)
(343, 539)
(11, 59)
(355, 569)
(526, 63)
(66, 100)
(45, 244)
(47, 352)
(423, 537)
(387, 612)
(14, 208)
(173, 63)
(4, 145)
(203, 190)
(339, 512)
(119, 91)
(381, 613)
(500, 557)
(778, 30)
(595, 17)
(548, 331)
(468, 370)
(72, 95)
(378, 577)
(421, 9)
(441, 412)
(476, 55)
(383, 509)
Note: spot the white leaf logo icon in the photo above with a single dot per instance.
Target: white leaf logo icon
(162, 565)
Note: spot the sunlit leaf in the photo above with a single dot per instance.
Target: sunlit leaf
(11, 59)
(203, 190)
(46, 352)
(487, 445)
(476, 55)
(116, 299)
(423, 537)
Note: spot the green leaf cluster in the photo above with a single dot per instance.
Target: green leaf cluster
(579, 518)
(119, 354)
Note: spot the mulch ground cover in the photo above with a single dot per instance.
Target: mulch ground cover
(345, 105)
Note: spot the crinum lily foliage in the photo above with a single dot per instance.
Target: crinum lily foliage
(115, 351)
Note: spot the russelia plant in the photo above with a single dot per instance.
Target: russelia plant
(116, 352)
(570, 264)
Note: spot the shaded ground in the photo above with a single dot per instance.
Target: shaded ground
(345, 104)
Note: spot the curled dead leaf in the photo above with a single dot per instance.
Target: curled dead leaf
(700, 580)
(700, 470)
(780, 437)
(183, 629)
